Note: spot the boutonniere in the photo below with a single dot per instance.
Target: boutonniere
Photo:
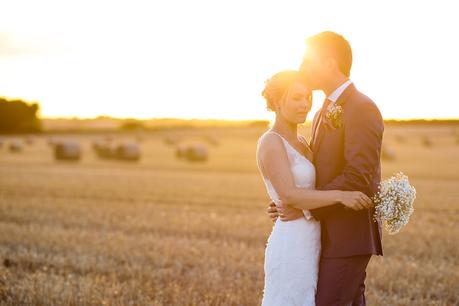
(334, 115)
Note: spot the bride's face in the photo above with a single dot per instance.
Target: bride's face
(297, 104)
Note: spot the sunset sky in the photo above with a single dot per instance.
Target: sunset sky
(209, 59)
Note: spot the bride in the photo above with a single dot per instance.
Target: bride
(284, 159)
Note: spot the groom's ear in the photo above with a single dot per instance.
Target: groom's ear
(332, 65)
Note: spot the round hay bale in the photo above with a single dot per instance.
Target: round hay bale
(387, 153)
(67, 150)
(98, 144)
(197, 153)
(15, 146)
(104, 149)
(181, 151)
(128, 151)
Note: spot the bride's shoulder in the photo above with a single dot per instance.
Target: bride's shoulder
(269, 140)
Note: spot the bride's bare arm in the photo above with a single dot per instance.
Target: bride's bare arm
(274, 165)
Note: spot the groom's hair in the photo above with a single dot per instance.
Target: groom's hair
(333, 45)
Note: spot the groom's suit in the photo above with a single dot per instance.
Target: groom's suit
(347, 157)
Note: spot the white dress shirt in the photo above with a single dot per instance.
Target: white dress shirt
(334, 96)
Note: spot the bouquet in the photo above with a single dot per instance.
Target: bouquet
(394, 202)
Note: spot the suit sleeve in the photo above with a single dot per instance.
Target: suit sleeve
(363, 130)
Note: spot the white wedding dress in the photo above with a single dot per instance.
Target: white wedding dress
(293, 249)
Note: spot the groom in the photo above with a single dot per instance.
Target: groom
(346, 141)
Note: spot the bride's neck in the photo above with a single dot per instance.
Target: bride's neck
(287, 129)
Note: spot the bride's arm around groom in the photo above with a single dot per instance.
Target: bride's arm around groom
(275, 166)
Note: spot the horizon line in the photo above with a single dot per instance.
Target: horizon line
(224, 119)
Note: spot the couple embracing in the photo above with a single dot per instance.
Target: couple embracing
(324, 233)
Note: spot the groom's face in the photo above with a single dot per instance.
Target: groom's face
(313, 69)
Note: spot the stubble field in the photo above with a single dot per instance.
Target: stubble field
(165, 231)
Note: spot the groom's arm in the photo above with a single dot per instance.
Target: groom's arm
(363, 130)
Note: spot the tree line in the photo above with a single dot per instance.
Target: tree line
(17, 116)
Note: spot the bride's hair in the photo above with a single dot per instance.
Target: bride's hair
(277, 86)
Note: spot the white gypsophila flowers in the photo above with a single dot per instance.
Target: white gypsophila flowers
(394, 202)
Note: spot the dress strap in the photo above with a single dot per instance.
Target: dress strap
(277, 134)
(285, 141)
(289, 146)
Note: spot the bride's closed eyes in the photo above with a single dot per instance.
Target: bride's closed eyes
(303, 98)
(298, 97)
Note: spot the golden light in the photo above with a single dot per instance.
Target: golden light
(160, 62)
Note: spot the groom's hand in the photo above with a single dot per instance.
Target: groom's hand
(272, 211)
(286, 213)
(289, 213)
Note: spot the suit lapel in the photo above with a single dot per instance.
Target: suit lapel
(315, 121)
(321, 128)
(320, 134)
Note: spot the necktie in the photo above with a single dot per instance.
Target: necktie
(319, 120)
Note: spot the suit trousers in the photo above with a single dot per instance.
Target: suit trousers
(342, 281)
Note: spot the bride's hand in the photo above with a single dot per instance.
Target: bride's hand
(355, 200)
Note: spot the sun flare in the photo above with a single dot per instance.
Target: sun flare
(160, 62)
